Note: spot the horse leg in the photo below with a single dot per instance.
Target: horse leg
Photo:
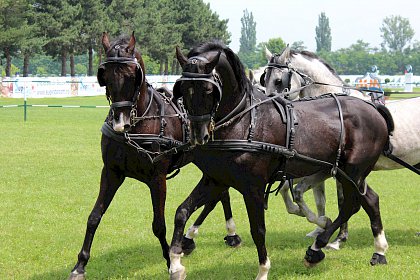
(319, 195)
(298, 191)
(351, 205)
(205, 192)
(343, 233)
(370, 203)
(158, 194)
(255, 207)
(231, 239)
(110, 182)
(291, 207)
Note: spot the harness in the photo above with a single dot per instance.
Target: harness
(148, 146)
(376, 99)
(287, 152)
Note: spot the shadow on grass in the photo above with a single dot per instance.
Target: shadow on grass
(146, 262)
(119, 264)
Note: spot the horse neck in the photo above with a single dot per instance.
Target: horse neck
(231, 95)
(319, 73)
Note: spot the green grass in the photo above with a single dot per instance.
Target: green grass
(49, 179)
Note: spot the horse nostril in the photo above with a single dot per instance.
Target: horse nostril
(206, 138)
(126, 126)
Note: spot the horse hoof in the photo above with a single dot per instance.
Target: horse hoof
(188, 245)
(312, 257)
(233, 240)
(378, 259)
(315, 232)
(77, 276)
(335, 245)
(178, 275)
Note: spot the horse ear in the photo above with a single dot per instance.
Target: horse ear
(131, 44)
(210, 66)
(251, 76)
(105, 41)
(286, 53)
(268, 54)
(180, 57)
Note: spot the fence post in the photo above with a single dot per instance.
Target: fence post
(24, 104)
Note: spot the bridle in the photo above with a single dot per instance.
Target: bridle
(286, 78)
(212, 78)
(132, 104)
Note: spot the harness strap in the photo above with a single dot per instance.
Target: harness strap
(240, 114)
(403, 163)
(340, 146)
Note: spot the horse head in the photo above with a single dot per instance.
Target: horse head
(279, 77)
(208, 73)
(123, 75)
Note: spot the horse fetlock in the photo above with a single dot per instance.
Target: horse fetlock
(324, 222)
(176, 269)
(263, 270)
(74, 275)
(313, 257)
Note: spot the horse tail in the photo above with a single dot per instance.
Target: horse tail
(386, 114)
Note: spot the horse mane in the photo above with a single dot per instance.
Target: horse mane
(310, 56)
(234, 61)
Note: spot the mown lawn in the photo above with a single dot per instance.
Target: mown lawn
(49, 179)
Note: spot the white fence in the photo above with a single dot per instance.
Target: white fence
(34, 87)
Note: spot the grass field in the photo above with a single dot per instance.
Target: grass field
(49, 179)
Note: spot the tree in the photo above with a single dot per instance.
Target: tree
(93, 15)
(248, 53)
(396, 33)
(248, 40)
(13, 29)
(197, 23)
(275, 45)
(298, 46)
(323, 34)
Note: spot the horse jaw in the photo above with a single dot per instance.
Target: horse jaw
(122, 124)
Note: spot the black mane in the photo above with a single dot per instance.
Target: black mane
(238, 68)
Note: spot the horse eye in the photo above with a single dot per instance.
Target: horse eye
(278, 82)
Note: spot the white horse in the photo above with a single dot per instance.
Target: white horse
(291, 70)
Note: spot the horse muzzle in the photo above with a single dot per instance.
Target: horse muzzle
(200, 133)
(121, 123)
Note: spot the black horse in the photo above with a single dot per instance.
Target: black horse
(247, 140)
(142, 124)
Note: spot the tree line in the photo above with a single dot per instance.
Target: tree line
(66, 30)
(393, 57)
(44, 37)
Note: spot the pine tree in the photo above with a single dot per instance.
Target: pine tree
(323, 34)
